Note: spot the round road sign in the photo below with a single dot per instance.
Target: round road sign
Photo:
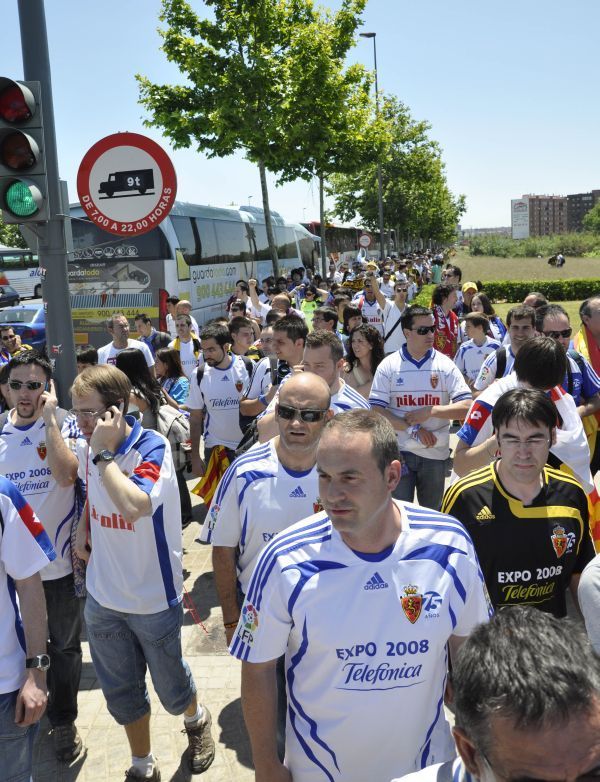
(126, 184)
(364, 240)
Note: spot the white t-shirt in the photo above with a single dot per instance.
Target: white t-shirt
(135, 567)
(487, 373)
(188, 358)
(260, 379)
(391, 317)
(588, 593)
(24, 461)
(470, 357)
(171, 327)
(218, 394)
(370, 310)
(107, 354)
(257, 498)
(440, 772)
(364, 638)
(404, 385)
(24, 550)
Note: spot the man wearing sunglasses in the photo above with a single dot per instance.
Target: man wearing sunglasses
(37, 440)
(527, 703)
(420, 391)
(367, 303)
(11, 344)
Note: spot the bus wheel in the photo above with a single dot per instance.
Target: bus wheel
(37, 291)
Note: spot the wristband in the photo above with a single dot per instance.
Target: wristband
(230, 625)
(263, 400)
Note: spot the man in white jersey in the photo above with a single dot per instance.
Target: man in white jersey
(186, 344)
(118, 327)
(184, 307)
(474, 350)
(25, 549)
(283, 487)
(541, 363)
(420, 391)
(37, 444)
(393, 336)
(323, 356)
(214, 398)
(527, 702)
(367, 304)
(521, 327)
(363, 599)
(134, 576)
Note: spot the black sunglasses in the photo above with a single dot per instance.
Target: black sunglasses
(308, 416)
(401, 290)
(422, 330)
(32, 385)
(556, 334)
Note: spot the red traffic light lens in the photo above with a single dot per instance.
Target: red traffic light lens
(13, 105)
(18, 151)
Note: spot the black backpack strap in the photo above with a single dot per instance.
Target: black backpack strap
(199, 374)
(578, 359)
(391, 331)
(249, 364)
(273, 369)
(500, 361)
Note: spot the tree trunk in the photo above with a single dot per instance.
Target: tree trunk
(268, 223)
(324, 268)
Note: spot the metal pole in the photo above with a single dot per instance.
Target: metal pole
(52, 248)
(379, 173)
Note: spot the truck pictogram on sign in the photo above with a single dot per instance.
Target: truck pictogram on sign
(125, 181)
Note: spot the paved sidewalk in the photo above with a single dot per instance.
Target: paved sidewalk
(217, 677)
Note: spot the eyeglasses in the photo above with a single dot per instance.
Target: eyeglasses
(9, 337)
(401, 290)
(308, 416)
(557, 334)
(86, 413)
(537, 441)
(422, 330)
(31, 385)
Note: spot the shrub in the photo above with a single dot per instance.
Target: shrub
(554, 290)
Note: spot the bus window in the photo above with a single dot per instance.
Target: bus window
(260, 245)
(187, 239)
(286, 242)
(232, 241)
(209, 252)
(308, 250)
(91, 242)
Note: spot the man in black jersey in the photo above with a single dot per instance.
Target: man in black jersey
(529, 522)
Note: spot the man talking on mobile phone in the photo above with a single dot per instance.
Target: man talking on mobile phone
(134, 577)
(37, 443)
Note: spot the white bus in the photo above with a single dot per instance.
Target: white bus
(20, 269)
(197, 253)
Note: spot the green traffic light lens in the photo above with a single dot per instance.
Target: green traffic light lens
(20, 200)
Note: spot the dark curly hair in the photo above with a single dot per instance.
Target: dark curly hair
(374, 339)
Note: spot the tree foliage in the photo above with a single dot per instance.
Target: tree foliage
(416, 196)
(591, 221)
(10, 236)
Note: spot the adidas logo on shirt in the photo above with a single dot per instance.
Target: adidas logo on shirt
(376, 582)
(27, 441)
(485, 514)
(225, 377)
(298, 493)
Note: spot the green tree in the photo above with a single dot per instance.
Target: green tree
(591, 221)
(10, 236)
(417, 200)
(240, 69)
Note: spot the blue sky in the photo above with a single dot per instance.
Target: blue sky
(510, 89)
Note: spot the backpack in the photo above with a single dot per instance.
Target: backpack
(175, 426)
(250, 431)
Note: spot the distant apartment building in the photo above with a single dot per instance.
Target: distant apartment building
(538, 215)
(578, 205)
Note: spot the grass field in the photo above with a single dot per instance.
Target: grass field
(485, 268)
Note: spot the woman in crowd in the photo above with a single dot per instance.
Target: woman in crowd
(480, 303)
(365, 353)
(147, 395)
(170, 375)
(446, 321)
(351, 318)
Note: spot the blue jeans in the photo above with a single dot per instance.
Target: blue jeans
(426, 476)
(64, 648)
(16, 744)
(123, 646)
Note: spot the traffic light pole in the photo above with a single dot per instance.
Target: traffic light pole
(52, 246)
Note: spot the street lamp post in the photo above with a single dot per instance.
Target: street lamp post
(379, 174)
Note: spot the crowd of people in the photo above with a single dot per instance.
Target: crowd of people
(360, 565)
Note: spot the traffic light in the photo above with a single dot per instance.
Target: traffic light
(23, 184)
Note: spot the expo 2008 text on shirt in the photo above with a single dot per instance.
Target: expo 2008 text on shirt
(403, 384)
(24, 550)
(135, 567)
(256, 498)
(23, 460)
(380, 661)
